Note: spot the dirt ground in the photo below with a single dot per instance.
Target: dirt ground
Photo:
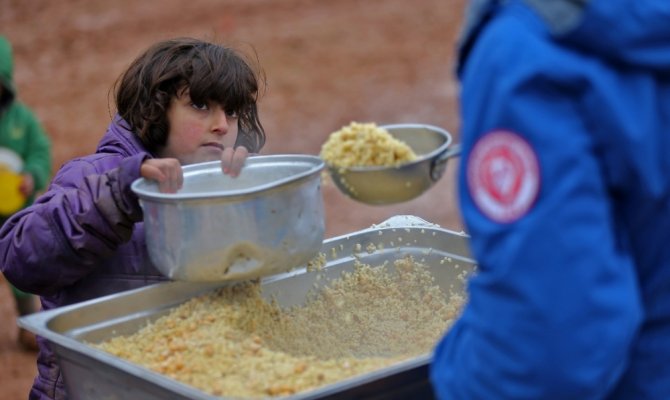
(327, 63)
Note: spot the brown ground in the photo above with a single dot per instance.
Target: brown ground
(327, 63)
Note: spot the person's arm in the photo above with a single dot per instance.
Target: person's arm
(37, 157)
(554, 307)
(82, 218)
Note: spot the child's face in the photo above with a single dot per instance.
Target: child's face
(198, 132)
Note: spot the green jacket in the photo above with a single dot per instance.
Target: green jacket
(20, 130)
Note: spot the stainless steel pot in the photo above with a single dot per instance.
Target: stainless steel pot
(267, 220)
(389, 185)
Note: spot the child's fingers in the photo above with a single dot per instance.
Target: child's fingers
(150, 171)
(227, 159)
(232, 160)
(27, 185)
(176, 177)
(166, 171)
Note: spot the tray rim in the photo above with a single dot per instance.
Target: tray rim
(38, 323)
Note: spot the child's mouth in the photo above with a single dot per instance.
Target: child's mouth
(214, 145)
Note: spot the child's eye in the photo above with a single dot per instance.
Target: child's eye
(232, 114)
(199, 106)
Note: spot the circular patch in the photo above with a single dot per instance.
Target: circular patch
(503, 176)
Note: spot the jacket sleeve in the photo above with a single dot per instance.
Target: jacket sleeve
(37, 160)
(554, 308)
(82, 218)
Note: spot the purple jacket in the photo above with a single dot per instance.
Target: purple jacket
(82, 239)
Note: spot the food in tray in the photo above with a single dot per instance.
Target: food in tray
(364, 145)
(233, 342)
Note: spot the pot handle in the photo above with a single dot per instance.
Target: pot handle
(440, 162)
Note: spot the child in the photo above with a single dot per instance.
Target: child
(182, 101)
(22, 135)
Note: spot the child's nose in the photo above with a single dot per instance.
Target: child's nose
(219, 122)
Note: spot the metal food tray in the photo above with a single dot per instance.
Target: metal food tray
(90, 373)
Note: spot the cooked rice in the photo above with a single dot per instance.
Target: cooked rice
(233, 342)
(365, 145)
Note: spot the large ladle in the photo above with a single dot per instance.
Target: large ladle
(390, 185)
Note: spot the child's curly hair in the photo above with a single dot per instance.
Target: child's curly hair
(210, 72)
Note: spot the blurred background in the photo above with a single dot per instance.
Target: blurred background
(326, 62)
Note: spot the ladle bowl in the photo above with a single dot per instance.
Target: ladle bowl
(395, 184)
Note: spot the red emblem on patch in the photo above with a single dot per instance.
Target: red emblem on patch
(503, 176)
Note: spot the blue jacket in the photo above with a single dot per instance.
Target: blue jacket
(82, 239)
(565, 190)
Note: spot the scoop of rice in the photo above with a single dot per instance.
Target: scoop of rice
(365, 145)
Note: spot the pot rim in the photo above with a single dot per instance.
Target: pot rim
(313, 167)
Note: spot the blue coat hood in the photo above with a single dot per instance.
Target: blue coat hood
(635, 33)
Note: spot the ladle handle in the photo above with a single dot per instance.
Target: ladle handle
(440, 163)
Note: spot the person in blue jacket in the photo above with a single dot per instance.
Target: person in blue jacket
(565, 192)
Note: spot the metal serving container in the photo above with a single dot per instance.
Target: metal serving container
(389, 185)
(90, 373)
(265, 221)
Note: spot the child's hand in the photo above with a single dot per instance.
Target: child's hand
(27, 185)
(166, 171)
(232, 160)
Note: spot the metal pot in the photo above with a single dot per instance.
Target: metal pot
(267, 220)
(389, 185)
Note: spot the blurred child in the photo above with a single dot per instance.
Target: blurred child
(182, 101)
(21, 136)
